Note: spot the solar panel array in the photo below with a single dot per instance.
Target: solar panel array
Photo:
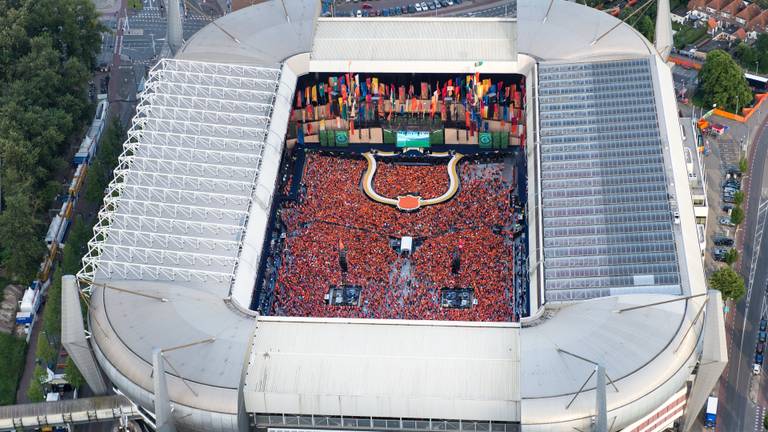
(607, 217)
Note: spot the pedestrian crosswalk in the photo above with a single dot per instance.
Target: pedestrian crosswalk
(760, 412)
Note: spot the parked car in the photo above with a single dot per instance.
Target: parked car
(762, 336)
(760, 348)
(722, 241)
(756, 369)
(726, 222)
(763, 324)
(417, 7)
(727, 208)
(759, 359)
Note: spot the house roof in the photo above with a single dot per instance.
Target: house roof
(696, 4)
(758, 21)
(718, 4)
(740, 33)
(733, 7)
(749, 12)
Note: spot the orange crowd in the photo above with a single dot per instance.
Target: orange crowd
(333, 213)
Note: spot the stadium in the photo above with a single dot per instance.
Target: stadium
(422, 224)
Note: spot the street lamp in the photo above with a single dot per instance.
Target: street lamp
(757, 62)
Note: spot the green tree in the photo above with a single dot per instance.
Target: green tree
(12, 351)
(646, 27)
(765, 422)
(74, 377)
(47, 49)
(95, 182)
(737, 215)
(52, 311)
(36, 390)
(77, 246)
(738, 198)
(722, 82)
(21, 245)
(728, 282)
(45, 352)
(731, 256)
(745, 54)
(743, 165)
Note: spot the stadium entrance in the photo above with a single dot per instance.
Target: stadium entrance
(373, 160)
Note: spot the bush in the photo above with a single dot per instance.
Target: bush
(743, 165)
(738, 198)
(731, 256)
(737, 215)
(74, 377)
(36, 390)
(12, 354)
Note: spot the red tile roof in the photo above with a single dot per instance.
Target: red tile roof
(696, 4)
(749, 12)
(718, 4)
(733, 7)
(740, 33)
(759, 21)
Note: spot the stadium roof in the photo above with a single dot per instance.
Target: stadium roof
(415, 39)
(373, 368)
(186, 216)
(608, 225)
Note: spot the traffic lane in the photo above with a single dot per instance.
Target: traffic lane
(734, 387)
(739, 368)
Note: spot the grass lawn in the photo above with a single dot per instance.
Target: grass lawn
(136, 4)
(12, 353)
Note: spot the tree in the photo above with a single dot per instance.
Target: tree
(77, 246)
(745, 54)
(646, 27)
(738, 198)
(36, 390)
(728, 282)
(21, 244)
(12, 353)
(52, 311)
(74, 377)
(731, 256)
(722, 82)
(765, 422)
(45, 352)
(737, 215)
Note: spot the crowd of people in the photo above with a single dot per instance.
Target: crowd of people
(334, 217)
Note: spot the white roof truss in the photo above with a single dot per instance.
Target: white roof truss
(178, 205)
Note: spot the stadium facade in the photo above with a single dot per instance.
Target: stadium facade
(620, 318)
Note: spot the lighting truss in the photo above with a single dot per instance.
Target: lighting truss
(178, 205)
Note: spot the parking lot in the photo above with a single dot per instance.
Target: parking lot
(371, 8)
(145, 32)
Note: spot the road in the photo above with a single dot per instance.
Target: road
(743, 403)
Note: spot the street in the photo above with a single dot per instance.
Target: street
(743, 403)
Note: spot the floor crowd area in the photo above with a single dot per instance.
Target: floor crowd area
(332, 214)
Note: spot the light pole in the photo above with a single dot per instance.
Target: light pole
(757, 62)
